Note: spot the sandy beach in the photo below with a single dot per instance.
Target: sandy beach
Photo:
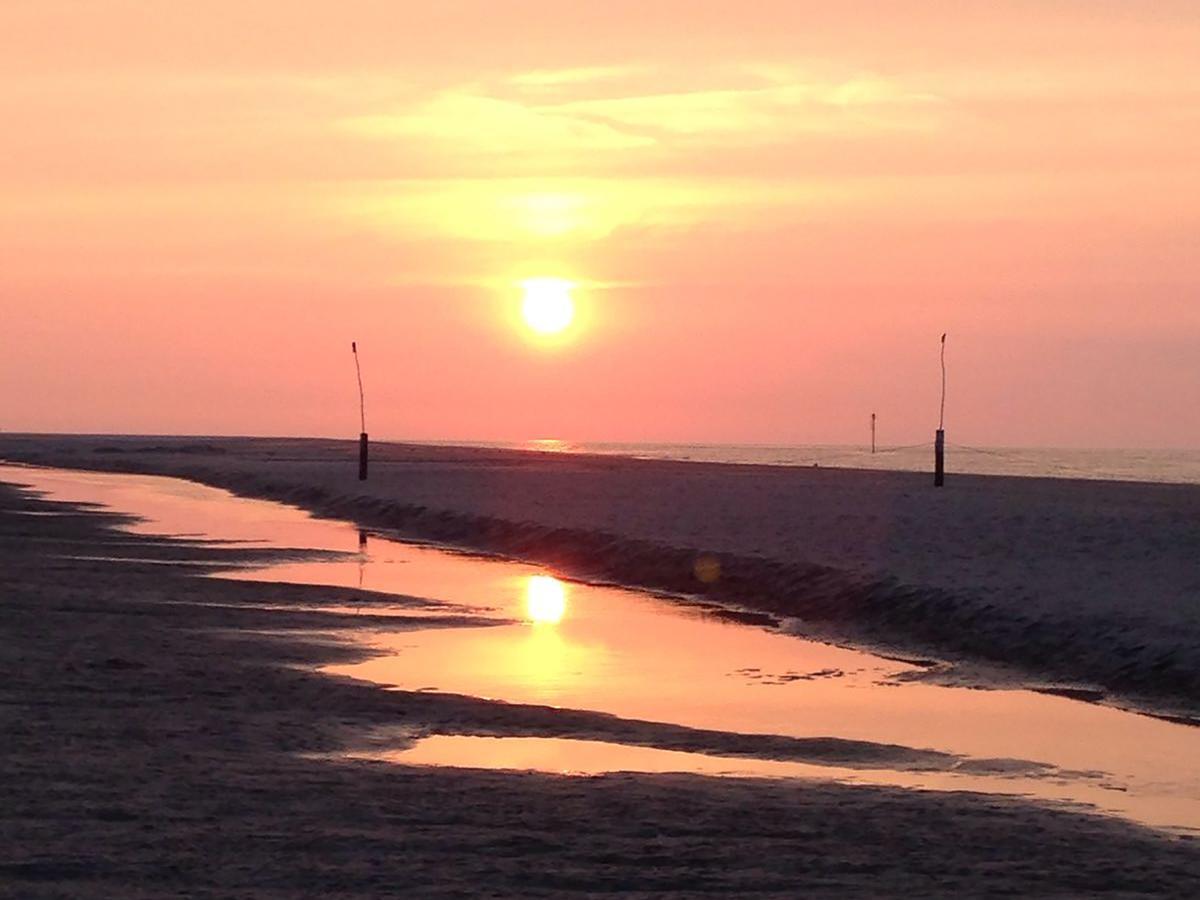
(167, 734)
(1088, 587)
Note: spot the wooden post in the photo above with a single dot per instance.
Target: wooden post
(939, 459)
(939, 443)
(362, 457)
(872, 432)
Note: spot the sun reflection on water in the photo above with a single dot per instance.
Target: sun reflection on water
(545, 600)
(550, 445)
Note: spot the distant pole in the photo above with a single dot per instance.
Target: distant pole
(362, 417)
(872, 432)
(939, 443)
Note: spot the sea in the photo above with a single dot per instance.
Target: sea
(1174, 466)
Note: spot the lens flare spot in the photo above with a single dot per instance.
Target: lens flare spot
(707, 568)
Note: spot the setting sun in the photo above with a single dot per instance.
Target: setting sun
(547, 307)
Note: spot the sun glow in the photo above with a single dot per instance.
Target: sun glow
(547, 307)
(545, 599)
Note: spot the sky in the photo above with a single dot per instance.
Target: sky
(769, 211)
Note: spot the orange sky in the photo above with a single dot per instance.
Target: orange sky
(772, 210)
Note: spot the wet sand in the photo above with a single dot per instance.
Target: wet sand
(167, 734)
(1091, 587)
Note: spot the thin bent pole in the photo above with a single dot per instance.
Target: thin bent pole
(362, 405)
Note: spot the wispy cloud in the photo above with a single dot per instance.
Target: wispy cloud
(490, 120)
(544, 78)
(768, 113)
(467, 123)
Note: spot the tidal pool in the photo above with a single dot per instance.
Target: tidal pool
(641, 656)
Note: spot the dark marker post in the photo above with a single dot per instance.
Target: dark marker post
(362, 415)
(872, 432)
(939, 444)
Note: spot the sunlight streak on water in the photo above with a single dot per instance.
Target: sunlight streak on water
(545, 599)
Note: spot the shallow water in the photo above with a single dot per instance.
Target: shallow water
(638, 656)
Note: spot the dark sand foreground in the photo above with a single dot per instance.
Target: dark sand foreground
(1089, 586)
(165, 735)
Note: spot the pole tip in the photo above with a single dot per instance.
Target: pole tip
(354, 346)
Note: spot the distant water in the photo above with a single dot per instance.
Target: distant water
(1169, 466)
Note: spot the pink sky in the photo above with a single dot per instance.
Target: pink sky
(771, 210)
